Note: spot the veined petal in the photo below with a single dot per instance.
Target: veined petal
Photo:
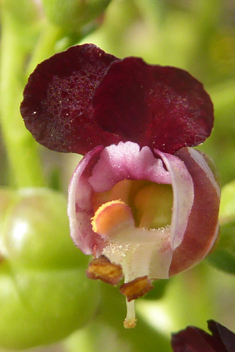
(162, 107)
(57, 105)
(202, 228)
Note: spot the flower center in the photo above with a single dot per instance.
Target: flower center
(134, 219)
(150, 203)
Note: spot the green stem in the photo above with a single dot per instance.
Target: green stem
(22, 151)
(45, 46)
(106, 332)
(142, 338)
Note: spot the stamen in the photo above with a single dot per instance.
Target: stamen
(136, 288)
(102, 269)
(130, 321)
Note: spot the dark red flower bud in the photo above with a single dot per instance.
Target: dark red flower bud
(196, 340)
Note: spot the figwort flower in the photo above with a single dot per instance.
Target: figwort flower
(196, 340)
(141, 201)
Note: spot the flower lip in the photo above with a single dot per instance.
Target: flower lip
(83, 97)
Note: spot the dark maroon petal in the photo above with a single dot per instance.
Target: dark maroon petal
(57, 106)
(221, 333)
(195, 340)
(162, 107)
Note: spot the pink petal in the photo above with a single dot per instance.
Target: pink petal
(80, 208)
(127, 161)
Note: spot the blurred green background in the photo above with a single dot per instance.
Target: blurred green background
(195, 35)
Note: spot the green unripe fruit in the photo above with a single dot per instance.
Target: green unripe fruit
(44, 293)
(36, 232)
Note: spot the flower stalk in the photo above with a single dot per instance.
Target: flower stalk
(22, 151)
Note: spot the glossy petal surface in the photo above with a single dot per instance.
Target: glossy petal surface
(57, 107)
(161, 107)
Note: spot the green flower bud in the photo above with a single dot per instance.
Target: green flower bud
(71, 15)
(44, 293)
